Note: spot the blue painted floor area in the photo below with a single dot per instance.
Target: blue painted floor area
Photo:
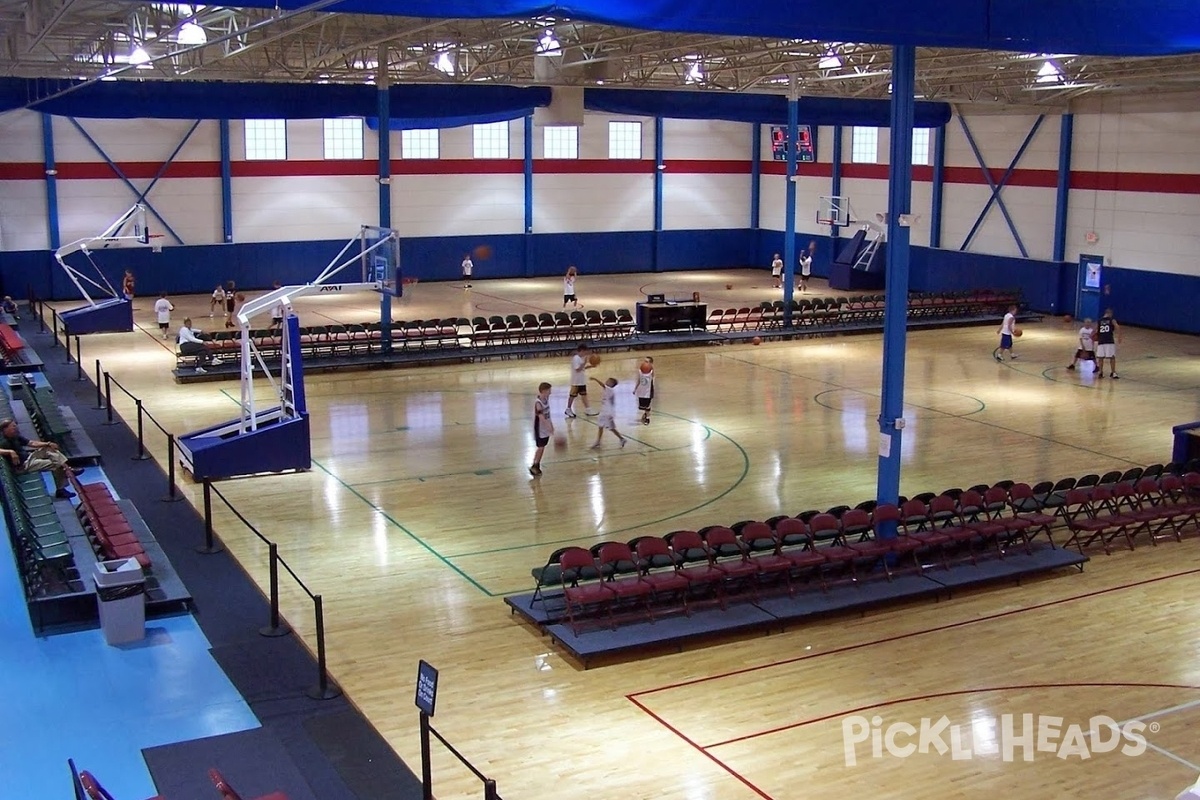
(74, 696)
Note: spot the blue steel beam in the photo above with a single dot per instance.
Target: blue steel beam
(755, 177)
(528, 244)
(120, 174)
(895, 314)
(998, 187)
(835, 181)
(1066, 132)
(226, 183)
(789, 206)
(939, 187)
(51, 167)
(384, 112)
(660, 166)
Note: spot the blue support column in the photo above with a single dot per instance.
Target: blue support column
(835, 182)
(660, 166)
(789, 206)
(383, 109)
(526, 266)
(896, 299)
(1066, 132)
(939, 186)
(51, 166)
(226, 183)
(755, 183)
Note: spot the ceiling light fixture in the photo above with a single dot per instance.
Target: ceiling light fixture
(443, 63)
(548, 45)
(830, 60)
(191, 35)
(140, 58)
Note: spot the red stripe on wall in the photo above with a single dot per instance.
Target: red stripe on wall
(1164, 183)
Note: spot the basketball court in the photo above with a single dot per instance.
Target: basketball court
(419, 515)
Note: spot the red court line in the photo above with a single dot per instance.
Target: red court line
(955, 693)
(744, 780)
(900, 637)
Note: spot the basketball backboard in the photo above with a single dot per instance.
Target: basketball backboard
(834, 210)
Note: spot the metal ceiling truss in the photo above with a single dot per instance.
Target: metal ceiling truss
(95, 39)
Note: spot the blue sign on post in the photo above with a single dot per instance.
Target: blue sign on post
(1087, 298)
(427, 678)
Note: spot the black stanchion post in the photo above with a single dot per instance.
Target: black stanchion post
(173, 494)
(78, 361)
(489, 790)
(99, 397)
(54, 326)
(426, 760)
(108, 398)
(141, 453)
(276, 628)
(210, 546)
(67, 344)
(324, 690)
(41, 315)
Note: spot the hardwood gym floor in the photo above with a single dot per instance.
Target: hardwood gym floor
(419, 514)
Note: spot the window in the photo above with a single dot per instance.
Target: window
(560, 141)
(419, 143)
(920, 153)
(266, 140)
(344, 138)
(490, 140)
(864, 145)
(624, 140)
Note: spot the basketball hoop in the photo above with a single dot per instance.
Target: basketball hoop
(156, 242)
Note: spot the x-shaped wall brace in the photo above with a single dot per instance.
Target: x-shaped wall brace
(141, 195)
(998, 187)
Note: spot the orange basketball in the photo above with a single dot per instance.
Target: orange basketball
(241, 298)
(646, 367)
(560, 441)
(593, 359)
(1017, 332)
(757, 340)
(483, 252)
(729, 286)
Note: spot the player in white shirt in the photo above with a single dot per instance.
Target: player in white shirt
(543, 428)
(278, 311)
(608, 411)
(467, 267)
(1087, 346)
(217, 301)
(162, 311)
(579, 366)
(777, 270)
(569, 287)
(806, 259)
(643, 387)
(190, 344)
(1007, 326)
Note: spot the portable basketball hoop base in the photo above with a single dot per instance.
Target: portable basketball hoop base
(106, 316)
(278, 444)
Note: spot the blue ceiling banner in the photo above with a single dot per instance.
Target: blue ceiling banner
(1086, 27)
(770, 109)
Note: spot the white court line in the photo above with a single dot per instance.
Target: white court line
(1194, 768)
(1162, 712)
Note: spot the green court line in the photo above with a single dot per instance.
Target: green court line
(708, 433)
(392, 521)
(938, 411)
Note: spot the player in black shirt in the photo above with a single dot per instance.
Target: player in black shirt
(1107, 334)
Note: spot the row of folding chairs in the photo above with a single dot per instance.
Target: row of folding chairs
(607, 324)
(39, 541)
(858, 310)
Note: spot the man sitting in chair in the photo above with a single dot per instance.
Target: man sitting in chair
(190, 344)
(33, 456)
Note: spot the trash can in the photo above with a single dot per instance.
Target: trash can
(121, 595)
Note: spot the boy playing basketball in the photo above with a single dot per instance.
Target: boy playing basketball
(1087, 347)
(1006, 334)
(608, 412)
(543, 428)
(643, 388)
(579, 365)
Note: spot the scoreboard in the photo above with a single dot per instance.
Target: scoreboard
(806, 148)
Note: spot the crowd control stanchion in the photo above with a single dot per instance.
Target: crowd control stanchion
(108, 399)
(78, 361)
(210, 547)
(276, 627)
(99, 397)
(142, 455)
(173, 494)
(324, 690)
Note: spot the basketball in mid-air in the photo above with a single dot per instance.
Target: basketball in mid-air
(593, 359)
(483, 252)
(729, 286)
(646, 367)
(1018, 332)
(757, 340)
(241, 298)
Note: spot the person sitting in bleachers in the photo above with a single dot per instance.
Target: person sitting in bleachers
(9, 306)
(190, 344)
(31, 455)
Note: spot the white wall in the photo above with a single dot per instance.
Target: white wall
(22, 202)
